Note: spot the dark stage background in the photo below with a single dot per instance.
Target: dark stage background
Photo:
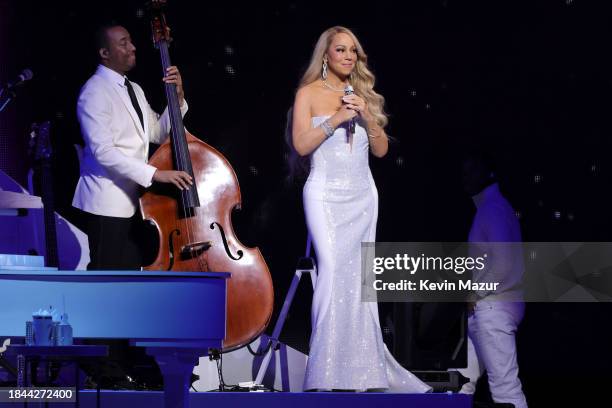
(529, 81)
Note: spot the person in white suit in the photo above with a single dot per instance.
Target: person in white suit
(494, 316)
(117, 124)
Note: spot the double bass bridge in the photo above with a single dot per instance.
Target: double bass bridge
(195, 249)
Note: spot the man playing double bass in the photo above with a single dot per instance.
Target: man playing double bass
(117, 125)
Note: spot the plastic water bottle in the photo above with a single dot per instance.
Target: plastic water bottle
(64, 332)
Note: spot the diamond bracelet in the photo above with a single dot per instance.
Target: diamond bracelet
(327, 127)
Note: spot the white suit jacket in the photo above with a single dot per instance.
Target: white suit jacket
(114, 163)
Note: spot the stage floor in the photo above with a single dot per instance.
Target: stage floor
(131, 399)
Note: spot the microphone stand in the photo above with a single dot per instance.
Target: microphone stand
(8, 99)
(8, 367)
(10, 89)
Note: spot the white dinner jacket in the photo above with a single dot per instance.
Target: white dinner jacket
(114, 163)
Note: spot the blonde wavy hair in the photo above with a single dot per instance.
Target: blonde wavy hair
(361, 79)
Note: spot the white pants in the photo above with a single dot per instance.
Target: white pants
(492, 347)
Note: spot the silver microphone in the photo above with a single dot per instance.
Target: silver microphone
(25, 75)
(348, 90)
(11, 87)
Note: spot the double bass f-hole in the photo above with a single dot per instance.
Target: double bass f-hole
(225, 244)
(171, 246)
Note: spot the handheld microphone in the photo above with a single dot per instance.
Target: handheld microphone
(348, 90)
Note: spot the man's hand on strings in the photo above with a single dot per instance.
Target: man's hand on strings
(173, 76)
(180, 179)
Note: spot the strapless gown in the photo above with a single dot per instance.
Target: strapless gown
(341, 208)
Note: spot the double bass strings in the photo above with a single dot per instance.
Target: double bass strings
(180, 147)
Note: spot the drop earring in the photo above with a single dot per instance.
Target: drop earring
(324, 71)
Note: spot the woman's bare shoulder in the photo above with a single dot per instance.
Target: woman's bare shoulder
(310, 90)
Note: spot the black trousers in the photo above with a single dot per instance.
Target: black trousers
(115, 244)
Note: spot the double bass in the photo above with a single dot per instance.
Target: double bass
(194, 226)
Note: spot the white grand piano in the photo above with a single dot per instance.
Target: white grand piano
(176, 316)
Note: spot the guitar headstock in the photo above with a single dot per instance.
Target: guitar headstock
(40, 141)
(159, 27)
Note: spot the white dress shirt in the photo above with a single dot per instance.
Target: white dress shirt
(494, 224)
(493, 324)
(114, 163)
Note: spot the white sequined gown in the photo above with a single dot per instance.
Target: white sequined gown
(341, 207)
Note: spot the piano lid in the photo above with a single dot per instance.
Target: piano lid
(16, 262)
(9, 199)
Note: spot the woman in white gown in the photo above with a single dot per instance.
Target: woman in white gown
(336, 131)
